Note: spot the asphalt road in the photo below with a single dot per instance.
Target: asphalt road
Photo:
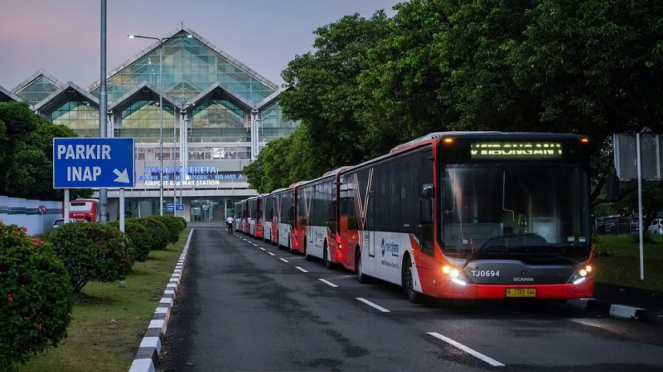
(247, 306)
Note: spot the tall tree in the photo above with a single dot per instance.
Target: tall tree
(405, 87)
(26, 154)
(324, 91)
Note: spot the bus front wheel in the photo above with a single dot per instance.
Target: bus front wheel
(408, 283)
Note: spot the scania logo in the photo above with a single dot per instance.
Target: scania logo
(523, 273)
(517, 279)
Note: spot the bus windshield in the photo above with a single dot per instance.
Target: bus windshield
(514, 211)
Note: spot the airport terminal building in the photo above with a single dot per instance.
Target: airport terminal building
(215, 117)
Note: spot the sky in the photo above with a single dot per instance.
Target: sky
(63, 38)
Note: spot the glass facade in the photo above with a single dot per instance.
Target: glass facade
(82, 117)
(212, 106)
(189, 67)
(273, 126)
(142, 121)
(219, 121)
(37, 90)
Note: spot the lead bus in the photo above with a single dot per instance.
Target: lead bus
(473, 215)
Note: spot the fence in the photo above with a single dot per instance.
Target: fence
(35, 215)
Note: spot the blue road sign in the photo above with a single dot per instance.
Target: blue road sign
(80, 163)
(180, 207)
(170, 207)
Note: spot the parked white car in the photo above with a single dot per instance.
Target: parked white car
(60, 221)
(656, 226)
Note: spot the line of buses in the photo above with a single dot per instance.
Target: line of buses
(463, 215)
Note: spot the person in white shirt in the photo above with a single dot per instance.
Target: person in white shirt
(229, 223)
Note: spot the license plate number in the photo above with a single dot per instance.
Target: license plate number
(521, 292)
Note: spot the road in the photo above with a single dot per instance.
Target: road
(247, 306)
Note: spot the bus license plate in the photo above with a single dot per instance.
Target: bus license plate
(521, 292)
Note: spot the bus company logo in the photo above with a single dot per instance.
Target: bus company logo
(523, 277)
(390, 247)
(318, 236)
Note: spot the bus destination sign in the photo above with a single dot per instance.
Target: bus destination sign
(516, 150)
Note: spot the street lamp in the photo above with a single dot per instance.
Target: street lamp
(161, 41)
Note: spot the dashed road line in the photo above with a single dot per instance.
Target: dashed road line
(300, 269)
(369, 303)
(328, 283)
(270, 253)
(284, 260)
(466, 349)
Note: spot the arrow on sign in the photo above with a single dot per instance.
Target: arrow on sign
(121, 176)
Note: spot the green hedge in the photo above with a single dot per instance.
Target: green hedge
(35, 297)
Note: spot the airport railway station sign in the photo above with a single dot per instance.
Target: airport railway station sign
(81, 163)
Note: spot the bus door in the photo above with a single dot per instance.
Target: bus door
(424, 200)
(370, 224)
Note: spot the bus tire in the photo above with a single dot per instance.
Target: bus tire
(306, 255)
(408, 283)
(361, 277)
(325, 257)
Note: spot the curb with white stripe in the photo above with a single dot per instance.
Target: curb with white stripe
(148, 352)
(616, 310)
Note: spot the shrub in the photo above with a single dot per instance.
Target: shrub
(35, 297)
(93, 251)
(140, 237)
(158, 231)
(172, 226)
(183, 221)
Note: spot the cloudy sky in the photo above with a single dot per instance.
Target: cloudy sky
(62, 38)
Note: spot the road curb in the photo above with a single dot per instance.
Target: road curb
(616, 310)
(147, 355)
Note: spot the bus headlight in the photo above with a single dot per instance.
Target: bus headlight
(583, 272)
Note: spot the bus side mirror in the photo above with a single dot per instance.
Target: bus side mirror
(611, 185)
(426, 210)
(291, 214)
(332, 215)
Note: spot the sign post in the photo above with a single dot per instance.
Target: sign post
(87, 163)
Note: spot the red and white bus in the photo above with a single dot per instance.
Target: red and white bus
(473, 215)
(267, 202)
(297, 215)
(317, 202)
(255, 217)
(241, 222)
(283, 202)
(84, 209)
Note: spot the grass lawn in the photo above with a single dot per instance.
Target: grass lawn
(109, 321)
(618, 261)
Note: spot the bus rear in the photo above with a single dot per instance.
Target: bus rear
(84, 210)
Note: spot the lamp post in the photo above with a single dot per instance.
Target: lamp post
(161, 41)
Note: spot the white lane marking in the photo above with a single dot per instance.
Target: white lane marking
(255, 245)
(588, 322)
(270, 253)
(466, 349)
(369, 303)
(328, 283)
(283, 259)
(300, 269)
(262, 249)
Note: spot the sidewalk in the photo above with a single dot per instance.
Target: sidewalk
(625, 302)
